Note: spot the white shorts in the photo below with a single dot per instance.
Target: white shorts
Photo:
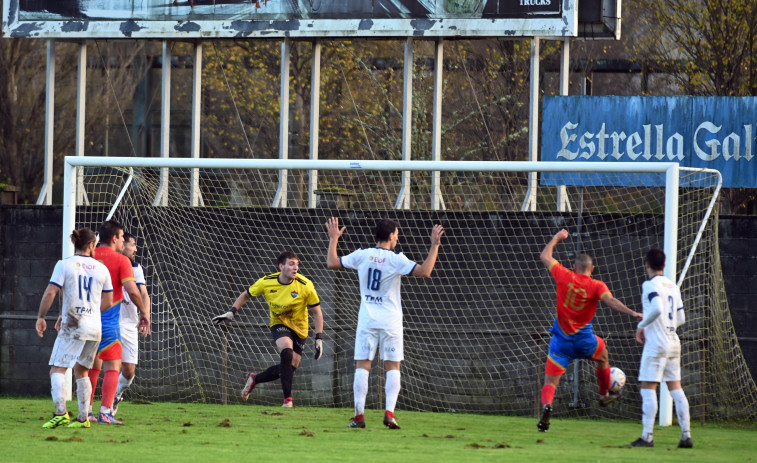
(129, 346)
(67, 352)
(660, 369)
(367, 340)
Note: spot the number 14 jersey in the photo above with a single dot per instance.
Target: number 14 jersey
(379, 271)
(83, 280)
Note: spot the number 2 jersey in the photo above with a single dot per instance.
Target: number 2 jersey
(379, 271)
(663, 313)
(83, 280)
(577, 298)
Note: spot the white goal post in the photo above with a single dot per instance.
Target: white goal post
(236, 230)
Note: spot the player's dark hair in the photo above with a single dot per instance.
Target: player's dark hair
(384, 228)
(583, 263)
(108, 230)
(130, 237)
(82, 237)
(286, 255)
(655, 258)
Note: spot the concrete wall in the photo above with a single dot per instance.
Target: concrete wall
(30, 239)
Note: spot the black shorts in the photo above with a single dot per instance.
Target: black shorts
(283, 331)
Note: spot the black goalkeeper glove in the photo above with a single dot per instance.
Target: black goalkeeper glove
(226, 318)
(318, 346)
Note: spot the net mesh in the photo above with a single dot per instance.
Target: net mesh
(476, 332)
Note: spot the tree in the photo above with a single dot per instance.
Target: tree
(22, 105)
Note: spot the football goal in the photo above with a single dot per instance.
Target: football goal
(476, 332)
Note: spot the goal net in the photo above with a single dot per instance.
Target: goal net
(476, 332)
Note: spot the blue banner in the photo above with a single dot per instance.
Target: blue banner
(704, 132)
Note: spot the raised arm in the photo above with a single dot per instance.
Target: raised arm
(332, 227)
(424, 270)
(546, 253)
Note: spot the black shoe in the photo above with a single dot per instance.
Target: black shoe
(642, 443)
(609, 398)
(543, 424)
(686, 443)
(355, 423)
(390, 423)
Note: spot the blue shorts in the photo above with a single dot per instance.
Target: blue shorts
(563, 350)
(111, 327)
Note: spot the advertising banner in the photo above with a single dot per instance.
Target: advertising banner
(288, 18)
(703, 132)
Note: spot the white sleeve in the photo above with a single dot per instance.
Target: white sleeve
(108, 284)
(651, 303)
(59, 275)
(352, 260)
(139, 275)
(405, 266)
(680, 315)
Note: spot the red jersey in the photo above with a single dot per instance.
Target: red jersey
(119, 267)
(577, 297)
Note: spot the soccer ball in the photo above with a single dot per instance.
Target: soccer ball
(617, 379)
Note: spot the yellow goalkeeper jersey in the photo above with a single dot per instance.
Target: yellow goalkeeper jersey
(289, 303)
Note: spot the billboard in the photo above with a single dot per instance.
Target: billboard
(701, 132)
(210, 19)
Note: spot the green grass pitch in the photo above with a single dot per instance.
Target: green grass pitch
(168, 432)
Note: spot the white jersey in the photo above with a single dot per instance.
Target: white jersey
(379, 271)
(663, 313)
(82, 280)
(129, 318)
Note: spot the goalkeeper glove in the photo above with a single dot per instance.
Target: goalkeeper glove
(318, 346)
(225, 318)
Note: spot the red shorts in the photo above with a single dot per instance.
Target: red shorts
(112, 352)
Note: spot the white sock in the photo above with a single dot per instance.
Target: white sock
(392, 389)
(83, 393)
(58, 391)
(682, 411)
(123, 384)
(360, 389)
(649, 412)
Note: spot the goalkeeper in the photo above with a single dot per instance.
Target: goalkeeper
(289, 295)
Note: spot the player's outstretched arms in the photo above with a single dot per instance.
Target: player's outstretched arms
(332, 228)
(424, 270)
(546, 253)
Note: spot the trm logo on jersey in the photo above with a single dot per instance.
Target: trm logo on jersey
(294, 294)
(374, 299)
(83, 310)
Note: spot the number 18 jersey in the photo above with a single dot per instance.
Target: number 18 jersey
(379, 271)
